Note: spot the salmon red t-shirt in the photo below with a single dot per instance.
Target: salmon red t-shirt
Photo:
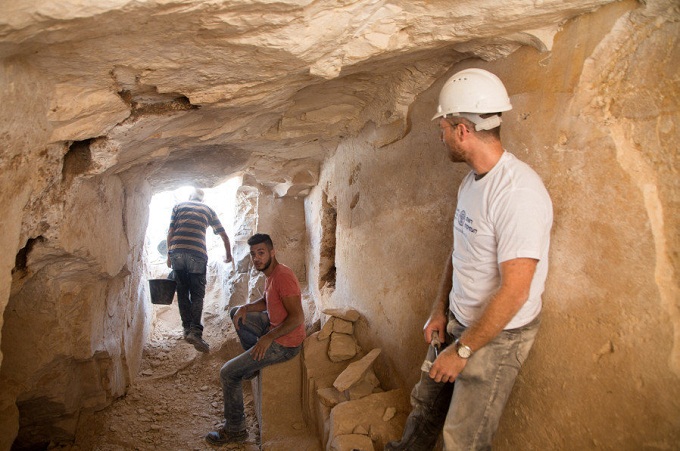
(282, 283)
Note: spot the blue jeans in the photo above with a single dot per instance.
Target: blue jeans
(469, 409)
(244, 366)
(189, 271)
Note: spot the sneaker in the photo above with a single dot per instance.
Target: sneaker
(198, 342)
(222, 437)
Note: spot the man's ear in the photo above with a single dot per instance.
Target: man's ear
(462, 129)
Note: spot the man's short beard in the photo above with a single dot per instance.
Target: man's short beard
(267, 265)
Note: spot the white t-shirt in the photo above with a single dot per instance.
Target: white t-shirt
(507, 214)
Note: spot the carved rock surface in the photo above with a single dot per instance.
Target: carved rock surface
(251, 85)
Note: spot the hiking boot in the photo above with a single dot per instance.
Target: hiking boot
(198, 342)
(222, 437)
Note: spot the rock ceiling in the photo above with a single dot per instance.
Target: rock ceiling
(194, 89)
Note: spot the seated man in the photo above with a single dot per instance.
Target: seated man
(271, 330)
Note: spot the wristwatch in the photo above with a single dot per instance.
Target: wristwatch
(463, 351)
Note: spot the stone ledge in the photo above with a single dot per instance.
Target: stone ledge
(277, 392)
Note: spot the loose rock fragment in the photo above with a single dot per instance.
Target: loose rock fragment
(342, 347)
(355, 371)
(343, 326)
(359, 390)
(389, 413)
(326, 330)
(348, 314)
(330, 396)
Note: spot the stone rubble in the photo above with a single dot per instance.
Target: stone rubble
(340, 329)
(369, 411)
(363, 388)
(330, 396)
(342, 394)
(327, 329)
(342, 326)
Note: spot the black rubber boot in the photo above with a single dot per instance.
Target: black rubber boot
(420, 434)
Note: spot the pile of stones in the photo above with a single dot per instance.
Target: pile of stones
(342, 395)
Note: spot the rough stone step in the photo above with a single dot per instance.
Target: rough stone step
(277, 391)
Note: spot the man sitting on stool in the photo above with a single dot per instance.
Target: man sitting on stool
(271, 330)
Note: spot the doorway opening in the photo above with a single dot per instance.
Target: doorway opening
(165, 319)
(222, 199)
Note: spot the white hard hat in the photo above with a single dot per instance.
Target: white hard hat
(472, 92)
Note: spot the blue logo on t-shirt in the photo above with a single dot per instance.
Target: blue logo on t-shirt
(461, 218)
(464, 223)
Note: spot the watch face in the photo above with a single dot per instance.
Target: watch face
(463, 351)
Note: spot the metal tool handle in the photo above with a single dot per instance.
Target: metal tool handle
(436, 344)
(426, 366)
(435, 340)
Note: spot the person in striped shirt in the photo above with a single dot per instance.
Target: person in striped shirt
(188, 258)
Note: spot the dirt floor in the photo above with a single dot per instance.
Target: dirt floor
(176, 399)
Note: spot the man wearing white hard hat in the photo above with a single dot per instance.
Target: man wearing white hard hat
(487, 311)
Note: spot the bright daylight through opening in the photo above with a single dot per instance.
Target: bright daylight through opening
(222, 199)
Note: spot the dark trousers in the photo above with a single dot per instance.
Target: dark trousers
(244, 366)
(190, 275)
(467, 411)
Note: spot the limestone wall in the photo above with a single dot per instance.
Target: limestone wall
(76, 315)
(72, 294)
(598, 119)
(283, 218)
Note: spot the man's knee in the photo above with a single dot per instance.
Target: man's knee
(227, 373)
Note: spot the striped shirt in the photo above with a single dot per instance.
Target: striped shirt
(189, 222)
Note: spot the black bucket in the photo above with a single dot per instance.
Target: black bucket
(162, 291)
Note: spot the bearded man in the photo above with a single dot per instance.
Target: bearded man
(271, 330)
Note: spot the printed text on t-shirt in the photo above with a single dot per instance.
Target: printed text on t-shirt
(463, 222)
